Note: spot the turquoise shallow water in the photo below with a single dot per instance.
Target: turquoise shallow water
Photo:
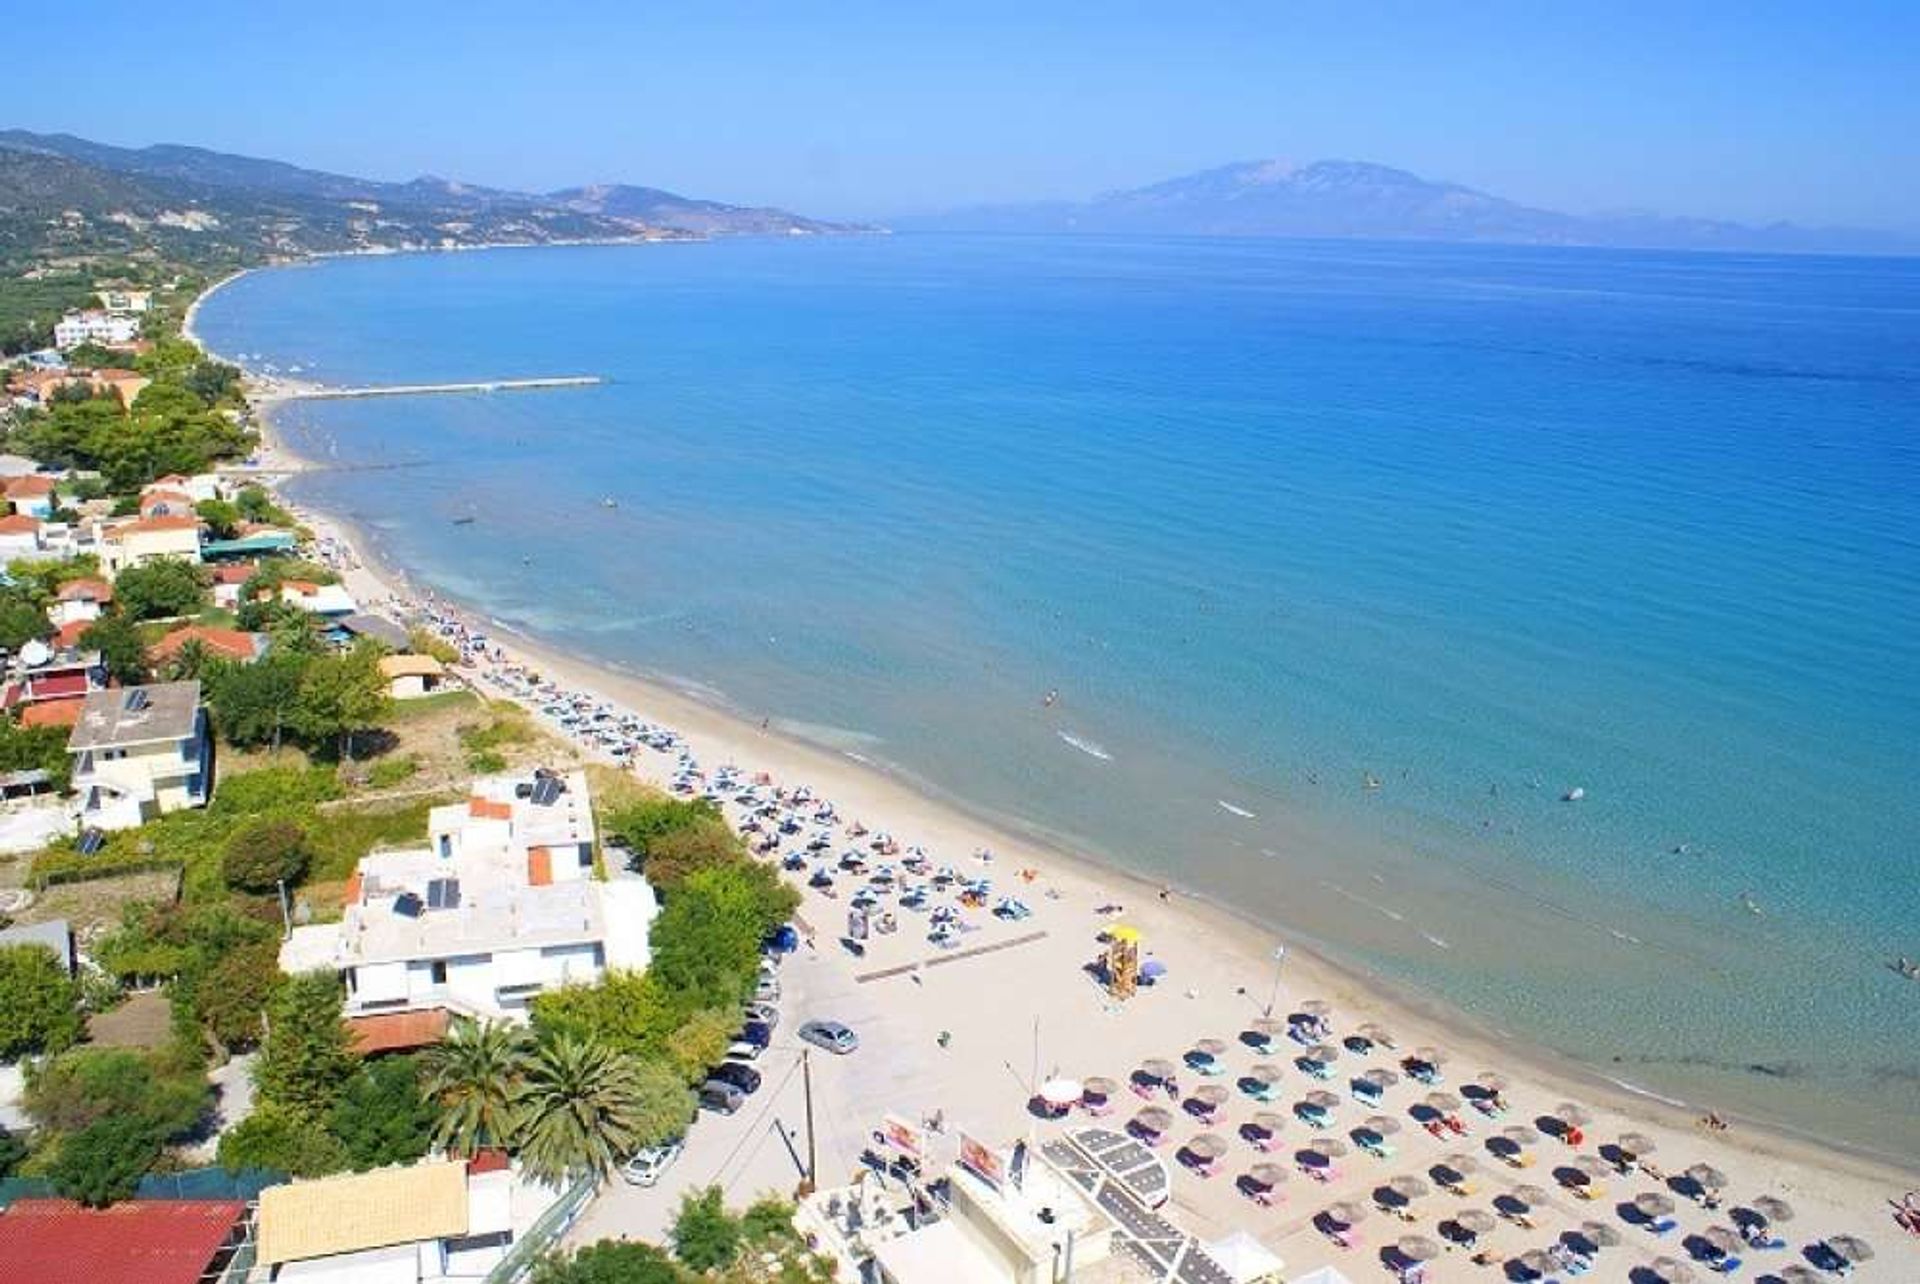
(1485, 524)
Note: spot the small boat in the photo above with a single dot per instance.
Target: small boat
(609, 502)
(463, 521)
(1574, 794)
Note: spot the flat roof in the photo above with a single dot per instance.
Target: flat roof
(54, 935)
(356, 1211)
(938, 1254)
(137, 715)
(137, 1241)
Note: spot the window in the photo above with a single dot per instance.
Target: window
(439, 971)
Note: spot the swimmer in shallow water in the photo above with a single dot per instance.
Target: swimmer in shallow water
(1051, 698)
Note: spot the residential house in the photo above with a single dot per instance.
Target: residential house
(228, 579)
(139, 752)
(378, 628)
(122, 301)
(200, 487)
(409, 677)
(429, 1222)
(136, 1241)
(502, 905)
(148, 539)
(225, 644)
(328, 600)
(80, 600)
(19, 537)
(41, 675)
(166, 503)
(94, 326)
(32, 494)
(54, 935)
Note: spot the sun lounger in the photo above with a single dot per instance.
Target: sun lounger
(1378, 1148)
(1726, 1265)
(1662, 1226)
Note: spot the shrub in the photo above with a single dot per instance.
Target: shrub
(159, 589)
(612, 1261)
(704, 1234)
(87, 1086)
(389, 772)
(104, 1162)
(278, 1138)
(231, 1000)
(382, 1118)
(39, 1004)
(262, 855)
(307, 1059)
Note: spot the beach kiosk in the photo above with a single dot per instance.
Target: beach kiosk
(1123, 960)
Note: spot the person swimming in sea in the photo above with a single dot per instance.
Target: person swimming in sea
(1050, 699)
(1751, 906)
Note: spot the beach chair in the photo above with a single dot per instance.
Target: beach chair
(1377, 1148)
(1348, 1238)
(1727, 1265)
(1662, 1226)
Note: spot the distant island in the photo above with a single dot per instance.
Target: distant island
(1363, 201)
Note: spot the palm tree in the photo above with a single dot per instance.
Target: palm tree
(476, 1078)
(584, 1108)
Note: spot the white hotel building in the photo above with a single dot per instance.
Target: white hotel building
(501, 905)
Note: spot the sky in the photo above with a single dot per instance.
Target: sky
(1755, 111)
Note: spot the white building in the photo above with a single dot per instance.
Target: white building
(502, 905)
(139, 752)
(124, 302)
(77, 328)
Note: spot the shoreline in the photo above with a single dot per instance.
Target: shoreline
(707, 723)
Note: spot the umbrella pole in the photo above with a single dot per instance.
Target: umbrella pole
(1279, 960)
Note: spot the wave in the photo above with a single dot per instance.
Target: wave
(1238, 811)
(1086, 747)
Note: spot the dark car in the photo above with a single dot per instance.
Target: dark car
(758, 1033)
(721, 1097)
(743, 1077)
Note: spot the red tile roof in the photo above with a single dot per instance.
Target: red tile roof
(235, 572)
(18, 524)
(67, 636)
(26, 487)
(232, 643)
(488, 1161)
(140, 1241)
(53, 713)
(86, 591)
(397, 1031)
(55, 686)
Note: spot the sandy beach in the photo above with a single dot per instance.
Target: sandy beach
(1014, 999)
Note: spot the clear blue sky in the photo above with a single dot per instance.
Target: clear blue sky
(1754, 110)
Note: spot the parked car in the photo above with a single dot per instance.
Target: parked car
(721, 1097)
(755, 1032)
(768, 991)
(830, 1035)
(743, 1077)
(646, 1166)
(766, 1014)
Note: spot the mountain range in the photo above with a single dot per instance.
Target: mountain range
(1359, 200)
(60, 194)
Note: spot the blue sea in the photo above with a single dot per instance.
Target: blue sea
(1348, 563)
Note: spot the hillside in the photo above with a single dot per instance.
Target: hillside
(709, 218)
(1355, 199)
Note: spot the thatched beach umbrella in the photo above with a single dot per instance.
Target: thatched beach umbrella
(1267, 1175)
(1671, 1269)
(1208, 1146)
(1431, 1055)
(1318, 1009)
(1444, 1102)
(1347, 1212)
(1449, 1172)
(1265, 1072)
(1417, 1248)
(1210, 1048)
(1706, 1176)
(1492, 1081)
(1653, 1204)
(1374, 1032)
(1800, 1273)
(1154, 1119)
(1530, 1195)
(1320, 1099)
(1850, 1248)
(1328, 1147)
(1211, 1094)
(1267, 1121)
(1477, 1220)
(1381, 1078)
(1321, 1054)
(1410, 1188)
(1573, 1116)
(1267, 1027)
(1724, 1241)
(1099, 1086)
(1520, 1135)
(1599, 1234)
(1773, 1209)
(1381, 1125)
(1592, 1166)
(1636, 1144)
(1535, 1262)
(1158, 1069)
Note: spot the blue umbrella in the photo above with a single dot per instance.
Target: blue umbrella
(1153, 969)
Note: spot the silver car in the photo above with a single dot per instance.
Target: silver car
(831, 1036)
(646, 1167)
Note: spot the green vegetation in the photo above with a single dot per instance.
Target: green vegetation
(104, 1115)
(382, 1117)
(612, 1261)
(30, 748)
(507, 725)
(159, 590)
(307, 1061)
(640, 825)
(322, 700)
(265, 854)
(38, 1003)
(122, 648)
(170, 428)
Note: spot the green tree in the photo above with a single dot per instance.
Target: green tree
(103, 1162)
(630, 1011)
(474, 1078)
(704, 1234)
(12, 1151)
(231, 999)
(36, 748)
(307, 1059)
(340, 695)
(706, 942)
(612, 1261)
(704, 844)
(84, 1086)
(222, 518)
(637, 825)
(277, 1138)
(382, 1118)
(260, 856)
(121, 648)
(257, 505)
(39, 1009)
(581, 1108)
(159, 589)
(700, 1042)
(254, 704)
(21, 620)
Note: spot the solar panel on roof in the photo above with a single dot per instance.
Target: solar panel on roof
(408, 905)
(546, 791)
(443, 893)
(91, 841)
(136, 700)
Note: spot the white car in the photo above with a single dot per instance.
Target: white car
(645, 1168)
(765, 1013)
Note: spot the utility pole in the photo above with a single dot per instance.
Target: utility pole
(286, 914)
(1279, 960)
(806, 1085)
